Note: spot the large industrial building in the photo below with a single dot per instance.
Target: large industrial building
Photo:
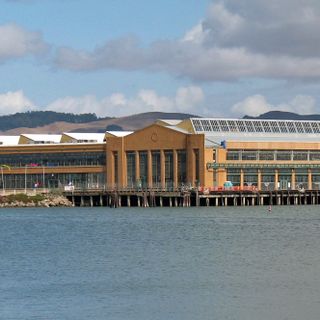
(206, 153)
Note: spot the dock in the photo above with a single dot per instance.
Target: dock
(192, 198)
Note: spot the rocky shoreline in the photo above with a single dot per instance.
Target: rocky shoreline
(39, 200)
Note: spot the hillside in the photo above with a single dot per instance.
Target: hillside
(42, 118)
(132, 122)
(282, 115)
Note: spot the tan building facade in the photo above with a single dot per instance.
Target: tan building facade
(170, 155)
(156, 157)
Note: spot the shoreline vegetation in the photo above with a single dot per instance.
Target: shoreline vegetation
(37, 200)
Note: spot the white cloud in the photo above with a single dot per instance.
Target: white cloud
(12, 102)
(257, 105)
(236, 39)
(252, 106)
(186, 99)
(17, 42)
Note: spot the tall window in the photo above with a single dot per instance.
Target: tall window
(169, 168)
(316, 179)
(250, 177)
(301, 175)
(156, 169)
(233, 175)
(131, 169)
(143, 165)
(267, 178)
(116, 166)
(197, 165)
(182, 166)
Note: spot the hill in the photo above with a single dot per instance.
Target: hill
(282, 115)
(62, 122)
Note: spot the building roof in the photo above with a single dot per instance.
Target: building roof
(254, 126)
(9, 140)
(118, 133)
(85, 137)
(43, 138)
(170, 122)
(178, 129)
(217, 130)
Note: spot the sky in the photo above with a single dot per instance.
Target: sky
(210, 58)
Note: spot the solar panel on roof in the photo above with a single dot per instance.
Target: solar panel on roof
(277, 127)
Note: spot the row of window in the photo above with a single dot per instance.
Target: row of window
(142, 180)
(53, 181)
(54, 159)
(284, 177)
(273, 155)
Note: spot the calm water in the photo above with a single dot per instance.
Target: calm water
(216, 263)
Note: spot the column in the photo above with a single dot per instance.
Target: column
(293, 179)
(241, 178)
(259, 179)
(276, 178)
(309, 179)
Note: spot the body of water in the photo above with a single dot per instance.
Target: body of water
(171, 264)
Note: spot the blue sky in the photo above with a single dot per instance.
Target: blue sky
(222, 58)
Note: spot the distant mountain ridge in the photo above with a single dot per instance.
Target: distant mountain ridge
(58, 122)
(40, 118)
(55, 122)
(283, 115)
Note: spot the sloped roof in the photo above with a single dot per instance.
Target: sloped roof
(118, 133)
(170, 122)
(9, 140)
(86, 137)
(43, 138)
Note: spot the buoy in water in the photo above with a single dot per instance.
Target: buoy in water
(270, 209)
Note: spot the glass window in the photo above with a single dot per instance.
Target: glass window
(283, 155)
(156, 169)
(314, 156)
(250, 177)
(233, 155)
(197, 165)
(143, 166)
(182, 166)
(300, 155)
(233, 175)
(115, 167)
(168, 169)
(249, 155)
(131, 169)
(266, 155)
